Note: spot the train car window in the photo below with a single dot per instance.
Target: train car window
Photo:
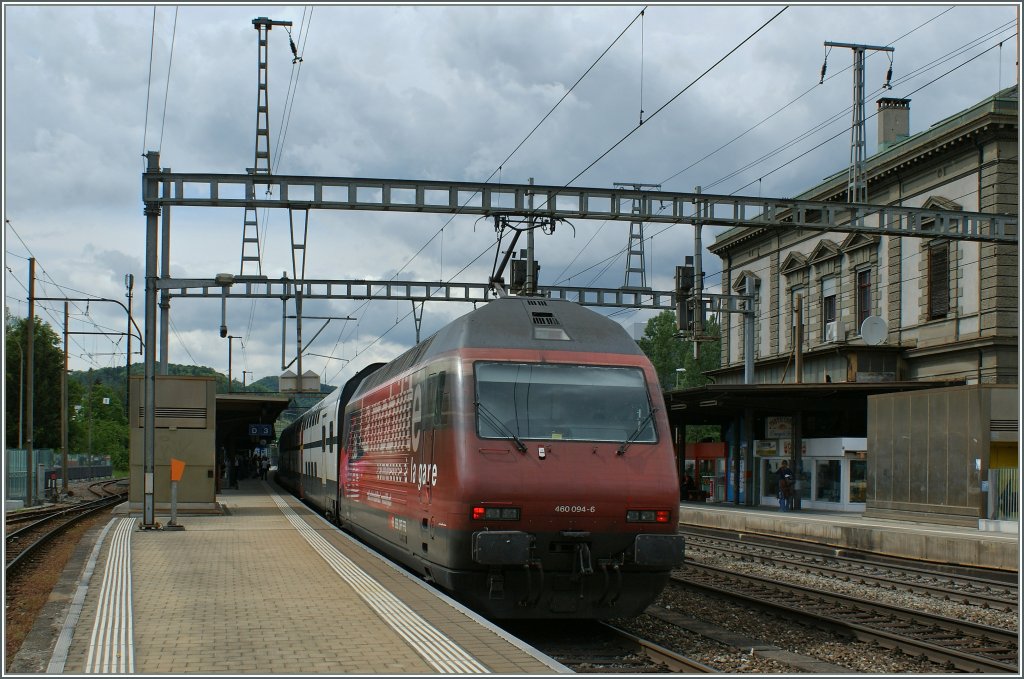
(352, 439)
(330, 438)
(562, 402)
(323, 437)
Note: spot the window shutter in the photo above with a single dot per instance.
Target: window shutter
(938, 280)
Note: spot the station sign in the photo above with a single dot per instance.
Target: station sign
(262, 430)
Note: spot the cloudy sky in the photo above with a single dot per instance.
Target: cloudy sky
(427, 92)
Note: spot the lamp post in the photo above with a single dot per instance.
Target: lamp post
(679, 373)
(231, 339)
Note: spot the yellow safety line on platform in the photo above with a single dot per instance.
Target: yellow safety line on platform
(431, 644)
(111, 649)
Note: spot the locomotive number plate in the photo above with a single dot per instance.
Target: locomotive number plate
(575, 509)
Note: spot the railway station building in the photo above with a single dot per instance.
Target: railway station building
(201, 428)
(904, 391)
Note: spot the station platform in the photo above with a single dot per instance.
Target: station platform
(265, 587)
(933, 542)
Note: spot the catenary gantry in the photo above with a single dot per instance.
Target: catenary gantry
(563, 202)
(261, 287)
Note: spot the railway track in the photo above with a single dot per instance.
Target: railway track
(24, 543)
(99, 489)
(957, 644)
(589, 647)
(961, 588)
(825, 550)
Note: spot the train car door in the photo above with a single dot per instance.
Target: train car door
(433, 420)
(300, 469)
(321, 469)
(348, 454)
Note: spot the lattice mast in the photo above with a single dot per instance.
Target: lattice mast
(261, 164)
(857, 178)
(635, 262)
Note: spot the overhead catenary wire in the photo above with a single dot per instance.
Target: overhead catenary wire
(794, 101)
(669, 102)
(149, 83)
(662, 108)
(167, 86)
(847, 129)
(761, 122)
(659, 110)
(497, 171)
(844, 112)
(45, 280)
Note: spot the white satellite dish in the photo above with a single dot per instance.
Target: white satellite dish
(873, 330)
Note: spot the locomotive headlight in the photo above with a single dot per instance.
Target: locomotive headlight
(496, 513)
(648, 515)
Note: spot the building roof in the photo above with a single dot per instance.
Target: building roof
(721, 403)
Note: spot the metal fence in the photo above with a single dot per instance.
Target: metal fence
(81, 466)
(1004, 494)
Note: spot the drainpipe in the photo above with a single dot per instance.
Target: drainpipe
(899, 285)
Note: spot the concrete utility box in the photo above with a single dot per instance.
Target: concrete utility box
(186, 419)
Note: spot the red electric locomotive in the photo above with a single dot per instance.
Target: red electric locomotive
(520, 458)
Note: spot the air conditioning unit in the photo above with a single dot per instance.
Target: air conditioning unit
(832, 331)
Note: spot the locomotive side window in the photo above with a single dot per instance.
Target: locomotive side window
(562, 402)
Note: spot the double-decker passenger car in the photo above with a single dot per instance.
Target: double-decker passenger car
(520, 458)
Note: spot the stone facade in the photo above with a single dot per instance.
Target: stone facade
(950, 307)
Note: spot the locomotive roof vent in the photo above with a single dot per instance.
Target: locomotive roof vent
(536, 302)
(544, 318)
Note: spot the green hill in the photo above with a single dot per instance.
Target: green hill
(115, 378)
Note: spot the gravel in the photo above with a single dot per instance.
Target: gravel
(791, 635)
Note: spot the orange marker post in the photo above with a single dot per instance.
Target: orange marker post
(177, 470)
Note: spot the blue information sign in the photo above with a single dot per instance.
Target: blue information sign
(260, 430)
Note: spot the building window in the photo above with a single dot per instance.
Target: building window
(863, 296)
(828, 309)
(829, 482)
(938, 280)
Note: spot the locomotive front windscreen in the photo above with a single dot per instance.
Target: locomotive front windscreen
(563, 402)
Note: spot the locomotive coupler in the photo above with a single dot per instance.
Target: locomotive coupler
(581, 562)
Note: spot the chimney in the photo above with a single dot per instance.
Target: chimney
(893, 122)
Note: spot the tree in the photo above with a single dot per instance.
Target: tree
(99, 425)
(668, 352)
(48, 368)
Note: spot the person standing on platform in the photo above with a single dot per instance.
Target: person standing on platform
(264, 467)
(786, 480)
